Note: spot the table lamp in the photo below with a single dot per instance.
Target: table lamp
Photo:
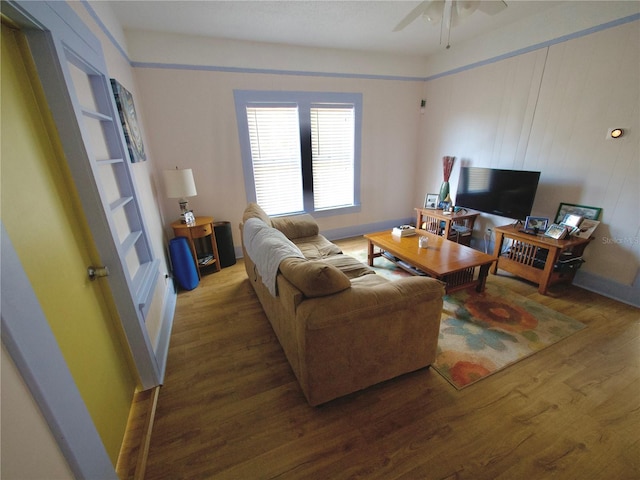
(180, 184)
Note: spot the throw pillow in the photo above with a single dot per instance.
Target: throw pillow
(314, 278)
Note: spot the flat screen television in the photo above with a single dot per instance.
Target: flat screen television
(507, 193)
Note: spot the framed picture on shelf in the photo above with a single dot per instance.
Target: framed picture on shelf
(129, 120)
(536, 223)
(431, 200)
(572, 220)
(444, 206)
(556, 231)
(586, 228)
(564, 209)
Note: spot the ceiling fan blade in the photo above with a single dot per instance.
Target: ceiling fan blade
(464, 8)
(413, 14)
(491, 7)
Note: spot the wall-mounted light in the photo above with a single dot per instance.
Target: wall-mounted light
(615, 133)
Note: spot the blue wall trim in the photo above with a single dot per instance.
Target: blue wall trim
(361, 76)
(538, 46)
(267, 71)
(105, 30)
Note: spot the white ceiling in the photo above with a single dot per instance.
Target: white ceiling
(354, 25)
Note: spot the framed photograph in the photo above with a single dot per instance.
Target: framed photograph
(536, 223)
(586, 228)
(592, 213)
(129, 120)
(189, 218)
(572, 220)
(556, 231)
(431, 200)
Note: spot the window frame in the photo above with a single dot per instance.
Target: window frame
(304, 101)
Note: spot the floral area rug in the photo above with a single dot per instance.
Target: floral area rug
(482, 333)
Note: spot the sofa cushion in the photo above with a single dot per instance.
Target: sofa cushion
(254, 210)
(314, 278)
(316, 247)
(351, 267)
(368, 281)
(296, 226)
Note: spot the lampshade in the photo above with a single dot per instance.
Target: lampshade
(179, 183)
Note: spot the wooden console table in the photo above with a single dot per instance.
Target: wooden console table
(536, 257)
(456, 226)
(202, 228)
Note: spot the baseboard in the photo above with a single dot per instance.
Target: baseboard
(162, 349)
(629, 294)
(132, 461)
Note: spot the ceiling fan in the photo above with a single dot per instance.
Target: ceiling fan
(449, 13)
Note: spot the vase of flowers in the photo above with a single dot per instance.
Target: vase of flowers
(447, 166)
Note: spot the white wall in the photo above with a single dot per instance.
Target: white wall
(191, 121)
(545, 109)
(562, 21)
(549, 110)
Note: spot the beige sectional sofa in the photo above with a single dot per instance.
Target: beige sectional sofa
(342, 327)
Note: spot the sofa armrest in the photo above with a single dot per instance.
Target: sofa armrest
(361, 302)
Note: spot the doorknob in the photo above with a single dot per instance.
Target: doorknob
(95, 272)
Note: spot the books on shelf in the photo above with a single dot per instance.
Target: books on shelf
(204, 260)
(403, 231)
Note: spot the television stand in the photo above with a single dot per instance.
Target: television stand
(538, 258)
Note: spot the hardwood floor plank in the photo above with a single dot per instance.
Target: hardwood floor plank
(231, 407)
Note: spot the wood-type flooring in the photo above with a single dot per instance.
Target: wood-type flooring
(230, 407)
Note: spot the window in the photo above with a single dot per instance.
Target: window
(300, 150)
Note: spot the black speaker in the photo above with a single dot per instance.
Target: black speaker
(224, 242)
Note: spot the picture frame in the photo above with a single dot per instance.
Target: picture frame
(586, 229)
(572, 220)
(189, 218)
(556, 231)
(431, 201)
(129, 120)
(536, 223)
(591, 213)
(444, 206)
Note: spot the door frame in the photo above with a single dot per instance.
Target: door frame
(28, 338)
(51, 29)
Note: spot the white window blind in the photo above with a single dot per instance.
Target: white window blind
(300, 150)
(274, 135)
(332, 149)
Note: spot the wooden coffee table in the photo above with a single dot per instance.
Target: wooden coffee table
(443, 259)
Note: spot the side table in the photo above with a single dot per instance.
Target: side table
(535, 257)
(203, 227)
(456, 226)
